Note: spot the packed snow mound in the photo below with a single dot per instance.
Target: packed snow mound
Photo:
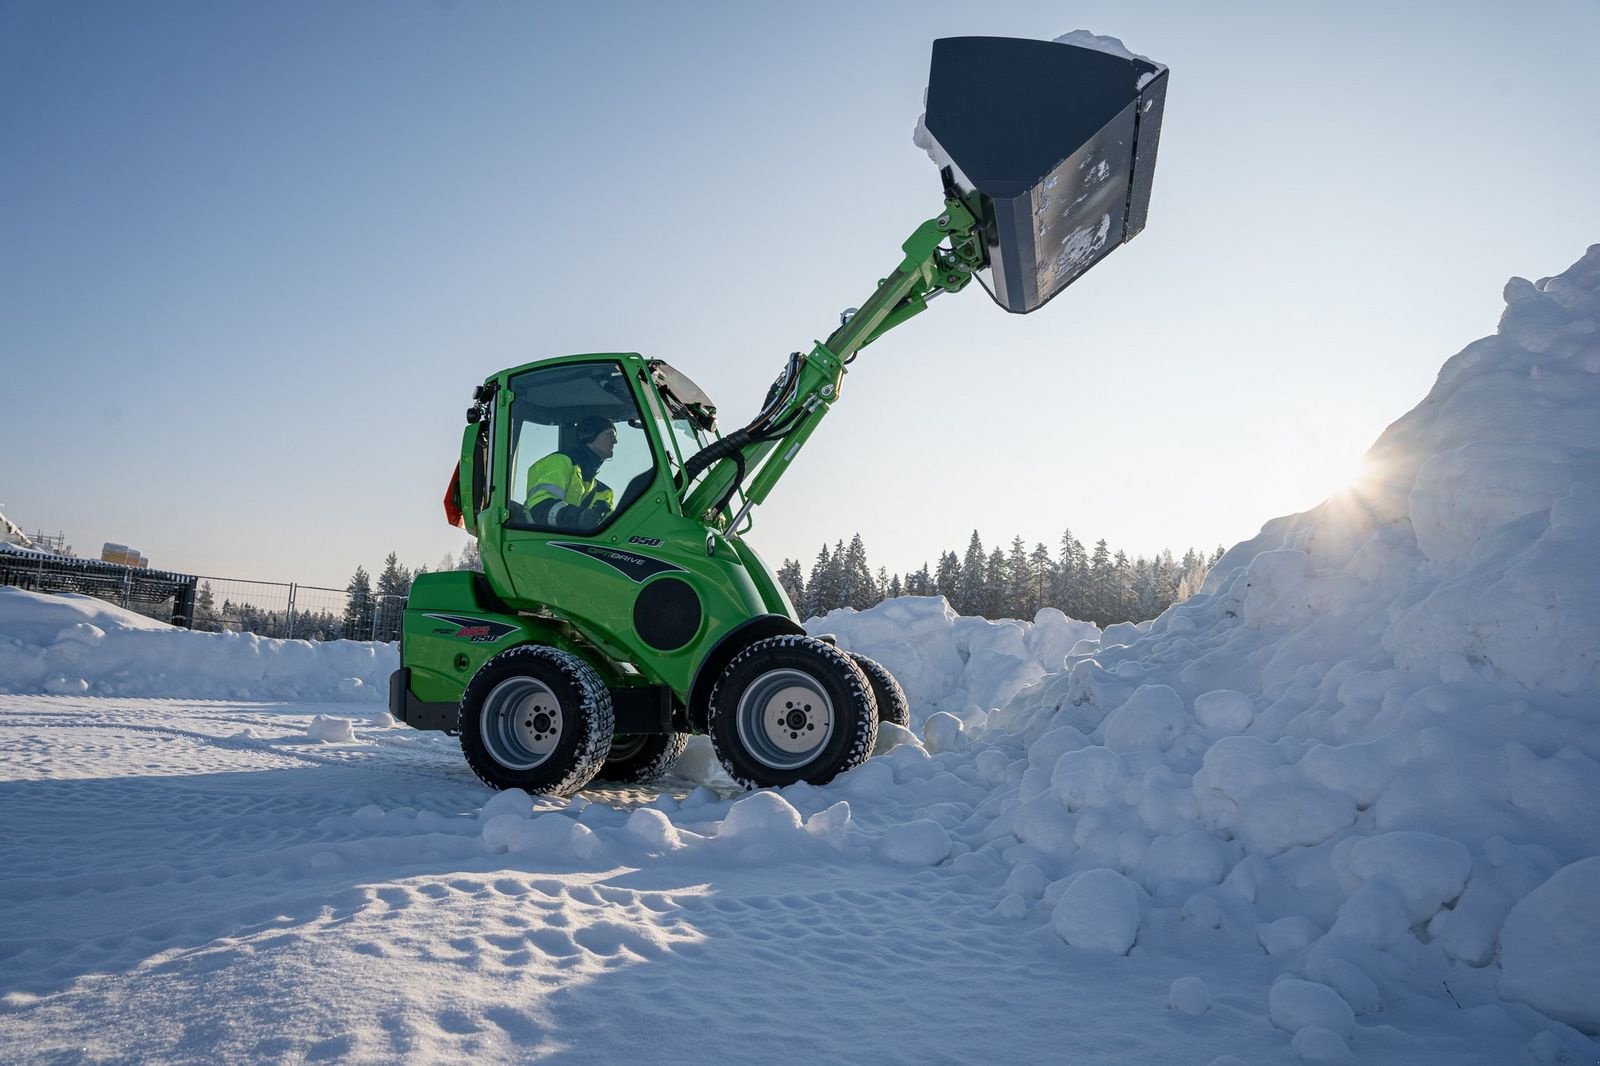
(78, 645)
(1374, 734)
(951, 663)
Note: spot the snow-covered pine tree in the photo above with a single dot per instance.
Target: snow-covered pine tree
(1019, 587)
(357, 621)
(1041, 573)
(205, 617)
(947, 579)
(390, 600)
(794, 584)
(1122, 587)
(996, 586)
(1070, 590)
(1101, 594)
(973, 585)
(858, 590)
(819, 589)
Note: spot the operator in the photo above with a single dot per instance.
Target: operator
(562, 488)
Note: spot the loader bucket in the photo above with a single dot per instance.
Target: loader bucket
(1052, 147)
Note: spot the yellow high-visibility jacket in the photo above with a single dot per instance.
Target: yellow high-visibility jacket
(558, 491)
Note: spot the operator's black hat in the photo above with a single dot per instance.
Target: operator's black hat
(592, 426)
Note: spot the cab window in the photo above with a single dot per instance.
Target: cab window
(579, 452)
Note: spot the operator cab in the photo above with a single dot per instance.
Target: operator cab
(549, 405)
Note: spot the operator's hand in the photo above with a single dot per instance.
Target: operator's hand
(591, 517)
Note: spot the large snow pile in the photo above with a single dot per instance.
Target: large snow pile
(1369, 745)
(71, 644)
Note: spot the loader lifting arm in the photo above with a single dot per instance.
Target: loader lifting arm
(940, 256)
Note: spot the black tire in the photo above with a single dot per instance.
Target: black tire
(892, 703)
(535, 718)
(791, 708)
(640, 758)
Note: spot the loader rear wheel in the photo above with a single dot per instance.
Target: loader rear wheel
(892, 703)
(791, 708)
(640, 758)
(535, 718)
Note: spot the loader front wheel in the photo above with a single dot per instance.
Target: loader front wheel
(892, 703)
(640, 758)
(791, 708)
(536, 718)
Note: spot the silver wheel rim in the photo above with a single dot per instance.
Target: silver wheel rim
(784, 719)
(520, 723)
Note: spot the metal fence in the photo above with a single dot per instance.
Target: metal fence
(293, 610)
(212, 604)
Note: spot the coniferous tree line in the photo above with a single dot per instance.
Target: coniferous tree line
(375, 610)
(1092, 584)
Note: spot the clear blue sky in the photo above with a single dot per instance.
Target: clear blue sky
(253, 258)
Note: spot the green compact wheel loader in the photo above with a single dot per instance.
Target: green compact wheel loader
(621, 606)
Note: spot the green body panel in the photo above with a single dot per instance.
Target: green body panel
(447, 637)
(765, 581)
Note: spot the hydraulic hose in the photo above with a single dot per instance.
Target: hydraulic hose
(717, 449)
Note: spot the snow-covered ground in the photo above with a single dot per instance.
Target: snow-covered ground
(1339, 806)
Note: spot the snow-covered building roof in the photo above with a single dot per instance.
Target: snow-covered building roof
(11, 533)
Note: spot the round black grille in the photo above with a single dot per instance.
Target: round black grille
(667, 614)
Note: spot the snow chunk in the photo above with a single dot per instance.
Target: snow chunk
(1316, 1044)
(943, 732)
(1150, 718)
(550, 836)
(1429, 870)
(511, 801)
(1279, 817)
(82, 633)
(1295, 1004)
(832, 825)
(1374, 914)
(891, 736)
(333, 730)
(1224, 710)
(1189, 995)
(1345, 978)
(1088, 777)
(1098, 910)
(653, 829)
(923, 842)
(759, 815)
(1191, 856)
(1287, 935)
(1550, 947)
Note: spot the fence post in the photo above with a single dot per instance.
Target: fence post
(291, 609)
(183, 605)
